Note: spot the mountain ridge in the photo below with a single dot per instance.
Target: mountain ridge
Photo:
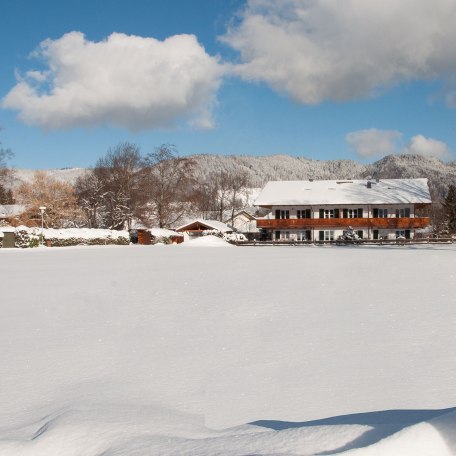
(262, 169)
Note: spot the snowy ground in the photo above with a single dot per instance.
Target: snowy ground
(170, 350)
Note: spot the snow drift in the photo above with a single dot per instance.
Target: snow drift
(136, 350)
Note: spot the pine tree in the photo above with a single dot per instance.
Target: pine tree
(449, 206)
(6, 195)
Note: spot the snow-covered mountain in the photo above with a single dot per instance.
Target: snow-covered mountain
(262, 169)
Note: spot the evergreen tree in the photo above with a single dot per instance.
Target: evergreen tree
(6, 195)
(449, 206)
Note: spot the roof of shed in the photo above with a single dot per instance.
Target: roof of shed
(210, 224)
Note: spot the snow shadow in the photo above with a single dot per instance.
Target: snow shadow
(384, 423)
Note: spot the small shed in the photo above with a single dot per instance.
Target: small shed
(147, 236)
(7, 238)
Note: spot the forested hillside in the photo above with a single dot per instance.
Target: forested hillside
(285, 167)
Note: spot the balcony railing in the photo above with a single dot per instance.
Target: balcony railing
(380, 223)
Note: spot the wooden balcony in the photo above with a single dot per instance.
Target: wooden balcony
(402, 223)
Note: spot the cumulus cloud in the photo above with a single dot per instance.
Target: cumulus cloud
(428, 147)
(316, 50)
(372, 142)
(378, 143)
(128, 81)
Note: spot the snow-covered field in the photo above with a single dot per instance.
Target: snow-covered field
(170, 350)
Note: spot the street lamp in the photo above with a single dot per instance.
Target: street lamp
(42, 210)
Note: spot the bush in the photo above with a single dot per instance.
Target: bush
(31, 237)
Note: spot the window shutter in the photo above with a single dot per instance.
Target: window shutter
(322, 215)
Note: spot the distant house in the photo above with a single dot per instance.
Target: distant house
(197, 226)
(10, 212)
(244, 222)
(322, 210)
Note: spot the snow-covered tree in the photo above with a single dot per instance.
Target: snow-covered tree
(449, 206)
(58, 197)
(167, 182)
(111, 194)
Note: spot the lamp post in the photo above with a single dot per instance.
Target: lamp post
(42, 210)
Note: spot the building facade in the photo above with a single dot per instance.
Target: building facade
(323, 210)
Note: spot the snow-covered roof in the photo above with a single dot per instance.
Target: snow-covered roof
(163, 232)
(385, 191)
(210, 224)
(11, 210)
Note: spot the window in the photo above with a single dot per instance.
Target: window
(282, 214)
(282, 235)
(303, 213)
(360, 234)
(329, 213)
(303, 235)
(405, 212)
(380, 212)
(403, 234)
(353, 213)
(326, 235)
(376, 234)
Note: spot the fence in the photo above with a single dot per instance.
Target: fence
(446, 240)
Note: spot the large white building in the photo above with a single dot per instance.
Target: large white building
(322, 210)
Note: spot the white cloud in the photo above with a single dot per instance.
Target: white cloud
(378, 143)
(428, 147)
(128, 81)
(317, 50)
(373, 142)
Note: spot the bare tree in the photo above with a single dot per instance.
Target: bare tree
(221, 194)
(58, 197)
(6, 174)
(90, 194)
(167, 179)
(110, 194)
(237, 184)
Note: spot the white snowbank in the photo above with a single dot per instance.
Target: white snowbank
(105, 352)
(206, 241)
(163, 232)
(84, 233)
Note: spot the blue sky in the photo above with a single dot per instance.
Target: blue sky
(324, 80)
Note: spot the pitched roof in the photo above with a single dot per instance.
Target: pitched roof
(385, 191)
(11, 210)
(210, 224)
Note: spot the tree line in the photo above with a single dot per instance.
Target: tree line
(125, 187)
(157, 189)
